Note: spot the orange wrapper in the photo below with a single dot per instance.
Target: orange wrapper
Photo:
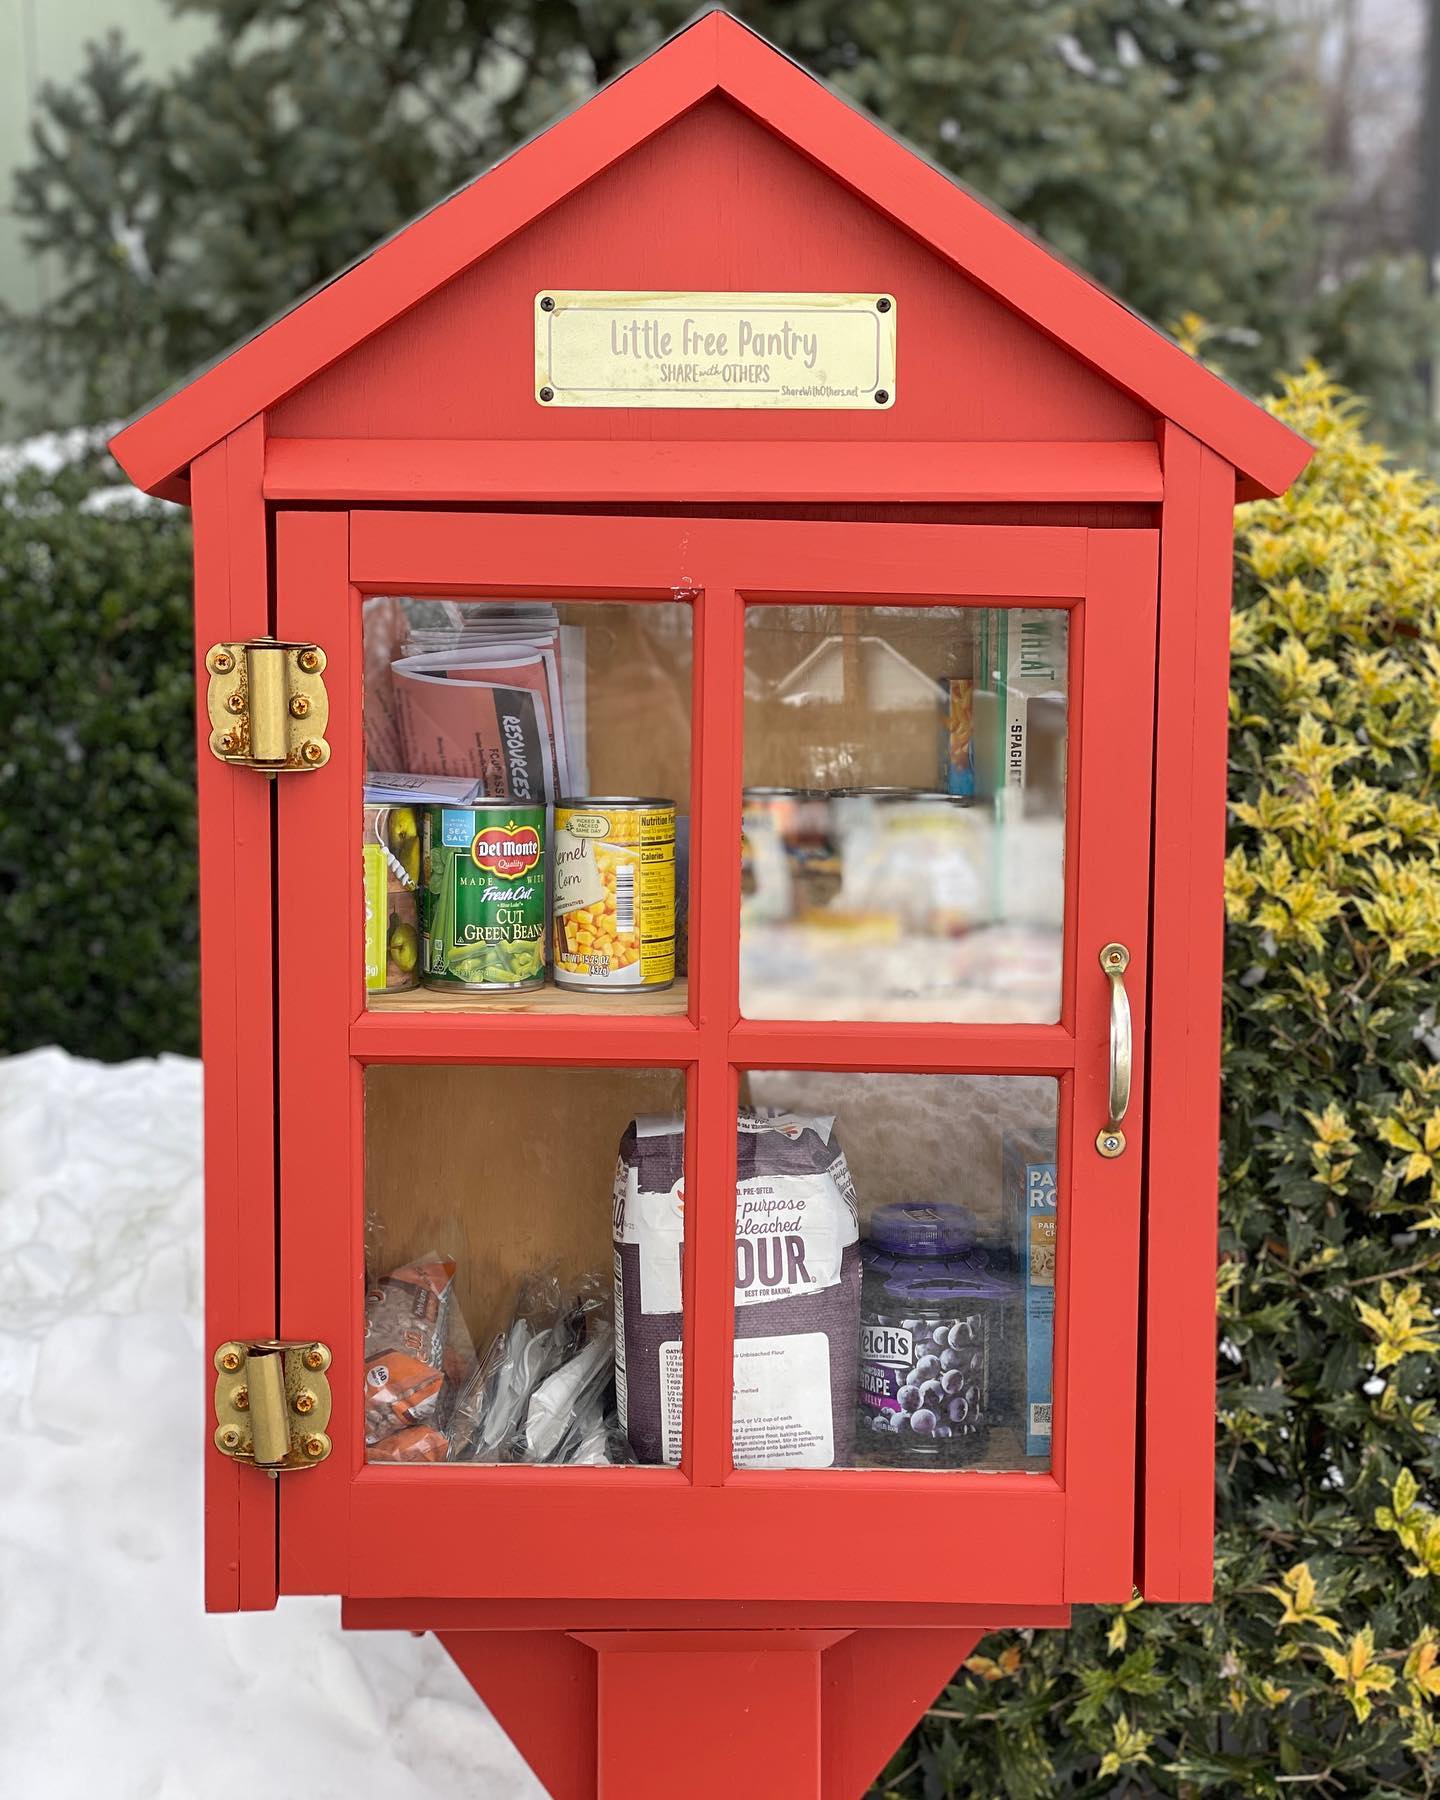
(407, 1310)
(422, 1443)
(405, 1335)
(400, 1391)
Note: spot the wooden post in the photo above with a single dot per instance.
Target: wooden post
(768, 1714)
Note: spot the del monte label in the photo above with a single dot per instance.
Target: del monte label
(506, 850)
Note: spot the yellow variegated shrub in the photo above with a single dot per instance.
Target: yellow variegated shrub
(1317, 1670)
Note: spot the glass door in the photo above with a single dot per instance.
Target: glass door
(694, 1043)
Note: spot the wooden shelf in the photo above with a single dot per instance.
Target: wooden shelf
(650, 1003)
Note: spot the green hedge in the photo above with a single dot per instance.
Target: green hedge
(97, 809)
(1316, 1671)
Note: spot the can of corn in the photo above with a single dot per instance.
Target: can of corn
(614, 892)
(483, 903)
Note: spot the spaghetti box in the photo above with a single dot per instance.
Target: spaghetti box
(1028, 1174)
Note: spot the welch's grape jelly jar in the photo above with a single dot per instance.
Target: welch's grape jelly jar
(933, 1311)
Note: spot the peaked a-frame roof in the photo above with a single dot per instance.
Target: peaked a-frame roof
(714, 55)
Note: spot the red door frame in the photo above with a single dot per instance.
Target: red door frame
(649, 1536)
(232, 603)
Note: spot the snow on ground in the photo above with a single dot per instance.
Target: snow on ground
(114, 1684)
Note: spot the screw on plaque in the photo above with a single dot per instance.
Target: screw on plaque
(546, 303)
(881, 396)
(882, 304)
(547, 393)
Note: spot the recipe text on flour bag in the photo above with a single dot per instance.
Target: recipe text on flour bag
(797, 1291)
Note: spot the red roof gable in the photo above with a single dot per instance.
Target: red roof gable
(715, 55)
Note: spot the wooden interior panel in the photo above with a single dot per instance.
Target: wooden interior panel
(637, 697)
(715, 202)
(505, 1169)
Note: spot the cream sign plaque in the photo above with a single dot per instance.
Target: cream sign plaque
(788, 352)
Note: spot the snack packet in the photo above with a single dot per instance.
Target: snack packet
(417, 1352)
(400, 1391)
(408, 1309)
(422, 1443)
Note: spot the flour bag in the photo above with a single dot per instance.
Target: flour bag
(797, 1291)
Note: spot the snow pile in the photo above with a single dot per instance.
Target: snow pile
(115, 1682)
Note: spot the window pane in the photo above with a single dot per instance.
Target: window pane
(509, 742)
(491, 1267)
(904, 813)
(895, 1271)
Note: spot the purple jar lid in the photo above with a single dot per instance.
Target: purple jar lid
(933, 1283)
(926, 1256)
(918, 1228)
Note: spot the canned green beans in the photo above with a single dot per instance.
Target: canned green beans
(483, 901)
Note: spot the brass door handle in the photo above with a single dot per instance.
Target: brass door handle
(1115, 960)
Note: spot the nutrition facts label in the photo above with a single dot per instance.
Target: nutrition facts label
(672, 1399)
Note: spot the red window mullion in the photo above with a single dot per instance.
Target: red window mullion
(714, 988)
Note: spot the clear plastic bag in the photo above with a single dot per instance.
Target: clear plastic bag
(544, 1390)
(566, 1411)
(418, 1355)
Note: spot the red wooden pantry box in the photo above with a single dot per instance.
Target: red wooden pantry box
(711, 655)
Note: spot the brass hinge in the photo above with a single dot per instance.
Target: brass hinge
(272, 1404)
(268, 706)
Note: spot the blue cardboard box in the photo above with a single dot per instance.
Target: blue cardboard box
(1028, 1169)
